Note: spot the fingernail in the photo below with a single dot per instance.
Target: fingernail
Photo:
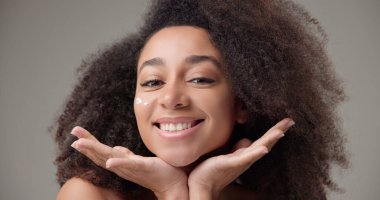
(108, 164)
(265, 150)
(74, 132)
(74, 145)
(280, 136)
(290, 123)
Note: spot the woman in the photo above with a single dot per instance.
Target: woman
(181, 101)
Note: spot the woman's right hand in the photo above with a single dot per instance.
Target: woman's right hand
(166, 181)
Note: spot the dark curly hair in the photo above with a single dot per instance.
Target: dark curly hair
(275, 57)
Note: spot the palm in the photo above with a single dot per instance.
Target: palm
(223, 169)
(217, 172)
(150, 172)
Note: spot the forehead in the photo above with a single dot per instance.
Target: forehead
(179, 42)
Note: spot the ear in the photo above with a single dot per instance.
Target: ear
(241, 113)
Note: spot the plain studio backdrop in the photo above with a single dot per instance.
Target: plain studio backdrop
(43, 42)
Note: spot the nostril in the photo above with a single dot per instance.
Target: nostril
(179, 105)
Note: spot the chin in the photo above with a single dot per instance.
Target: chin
(179, 160)
(182, 162)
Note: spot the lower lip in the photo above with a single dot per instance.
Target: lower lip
(177, 135)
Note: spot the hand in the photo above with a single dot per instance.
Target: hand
(166, 181)
(209, 178)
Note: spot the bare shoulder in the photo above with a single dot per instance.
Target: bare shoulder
(79, 189)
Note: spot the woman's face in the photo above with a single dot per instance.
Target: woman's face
(184, 105)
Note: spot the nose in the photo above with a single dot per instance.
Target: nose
(174, 96)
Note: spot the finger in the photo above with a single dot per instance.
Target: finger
(116, 165)
(270, 138)
(284, 124)
(95, 151)
(128, 168)
(124, 150)
(132, 163)
(120, 162)
(82, 133)
(247, 158)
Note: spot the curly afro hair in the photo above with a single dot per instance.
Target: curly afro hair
(275, 57)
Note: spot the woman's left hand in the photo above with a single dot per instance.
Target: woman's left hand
(209, 178)
(166, 181)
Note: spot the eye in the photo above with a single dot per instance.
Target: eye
(152, 83)
(202, 81)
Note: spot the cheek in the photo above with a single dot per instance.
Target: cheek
(143, 104)
(219, 105)
(143, 109)
(220, 110)
(222, 117)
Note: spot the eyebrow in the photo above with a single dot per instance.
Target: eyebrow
(193, 59)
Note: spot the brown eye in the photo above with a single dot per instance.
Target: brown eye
(152, 83)
(202, 81)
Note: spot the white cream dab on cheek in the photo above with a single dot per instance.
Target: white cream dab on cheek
(138, 100)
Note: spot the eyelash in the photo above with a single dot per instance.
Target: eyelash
(157, 83)
(202, 80)
(151, 83)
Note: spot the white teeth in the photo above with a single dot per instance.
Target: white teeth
(179, 127)
(171, 127)
(174, 127)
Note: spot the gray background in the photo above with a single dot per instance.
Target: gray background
(42, 43)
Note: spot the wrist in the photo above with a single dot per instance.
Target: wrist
(177, 191)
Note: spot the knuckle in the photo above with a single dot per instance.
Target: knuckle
(98, 163)
(109, 154)
(120, 149)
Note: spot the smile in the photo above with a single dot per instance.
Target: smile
(174, 129)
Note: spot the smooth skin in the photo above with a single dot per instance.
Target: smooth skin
(178, 88)
(180, 76)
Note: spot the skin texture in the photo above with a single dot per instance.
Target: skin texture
(274, 57)
(183, 89)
